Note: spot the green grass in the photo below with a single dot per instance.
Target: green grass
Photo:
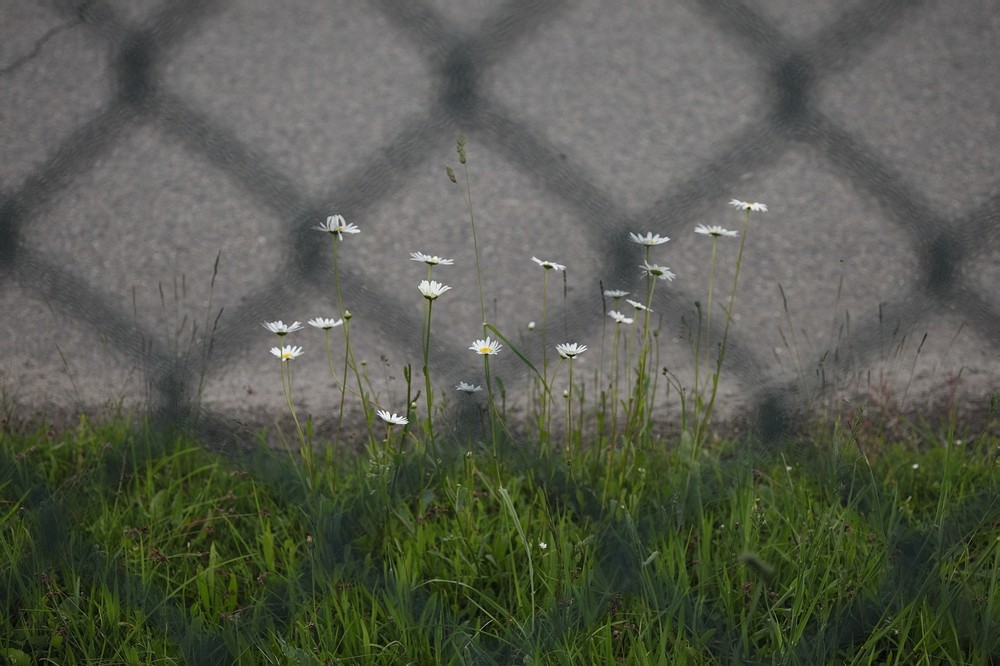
(122, 545)
(554, 533)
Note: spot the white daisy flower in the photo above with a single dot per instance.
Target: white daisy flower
(280, 328)
(749, 205)
(287, 353)
(431, 289)
(466, 387)
(570, 349)
(486, 347)
(637, 305)
(548, 265)
(649, 240)
(615, 293)
(432, 260)
(619, 317)
(714, 230)
(325, 323)
(335, 224)
(392, 419)
(657, 271)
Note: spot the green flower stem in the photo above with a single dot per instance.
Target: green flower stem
(492, 409)
(615, 386)
(340, 314)
(329, 354)
(569, 414)
(286, 388)
(427, 374)
(352, 363)
(703, 423)
(642, 396)
(349, 361)
(388, 434)
(546, 404)
(343, 381)
(336, 276)
(699, 390)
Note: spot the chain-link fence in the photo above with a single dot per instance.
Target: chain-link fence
(143, 142)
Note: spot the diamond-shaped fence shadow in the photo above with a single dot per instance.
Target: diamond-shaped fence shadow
(950, 254)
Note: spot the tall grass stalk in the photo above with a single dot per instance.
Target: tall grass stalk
(208, 346)
(467, 197)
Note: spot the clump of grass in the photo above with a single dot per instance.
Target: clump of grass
(120, 546)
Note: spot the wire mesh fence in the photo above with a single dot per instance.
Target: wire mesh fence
(176, 154)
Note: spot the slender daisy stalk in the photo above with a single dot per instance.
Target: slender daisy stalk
(486, 348)
(569, 351)
(549, 266)
(617, 342)
(640, 405)
(615, 295)
(286, 353)
(336, 226)
(653, 273)
(431, 290)
(603, 393)
(351, 363)
(717, 232)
